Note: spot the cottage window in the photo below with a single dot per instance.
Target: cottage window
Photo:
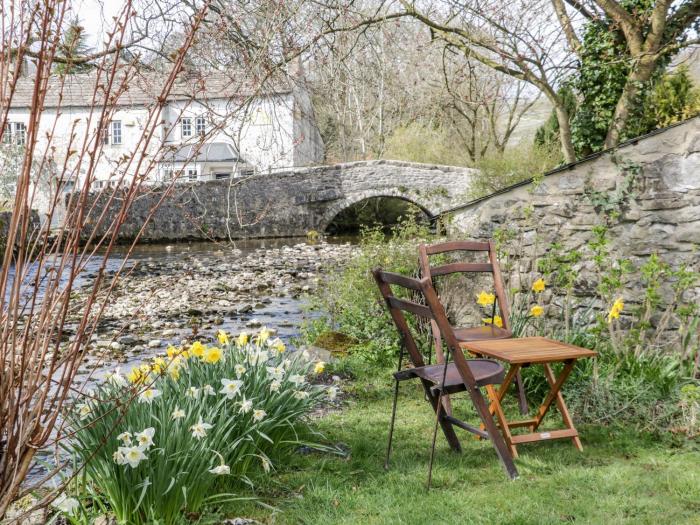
(15, 133)
(186, 127)
(116, 132)
(200, 125)
(192, 174)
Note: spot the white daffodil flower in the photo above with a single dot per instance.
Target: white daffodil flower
(133, 455)
(208, 390)
(275, 372)
(231, 388)
(275, 386)
(192, 392)
(116, 378)
(301, 394)
(84, 410)
(240, 370)
(125, 437)
(297, 379)
(332, 392)
(259, 415)
(266, 465)
(200, 429)
(118, 456)
(246, 406)
(145, 438)
(178, 413)
(147, 396)
(221, 470)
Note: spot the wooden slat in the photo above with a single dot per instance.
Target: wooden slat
(415, 308)
(470, 246)
(466, 426)
(522, 423)
(401, 280)
(544, 436)
(459, 267)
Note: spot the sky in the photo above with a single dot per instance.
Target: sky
(93, 14)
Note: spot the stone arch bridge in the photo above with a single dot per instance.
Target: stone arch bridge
(291, 203)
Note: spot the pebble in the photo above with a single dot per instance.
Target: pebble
(155, 343)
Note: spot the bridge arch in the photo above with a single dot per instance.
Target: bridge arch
(351, 200)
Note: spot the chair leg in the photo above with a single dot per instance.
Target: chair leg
(391, 425)
(494, 434)
(438, 415)
(522, 398)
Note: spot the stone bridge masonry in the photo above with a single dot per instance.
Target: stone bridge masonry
(290, 203)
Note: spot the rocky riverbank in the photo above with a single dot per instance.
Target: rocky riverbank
(184, 295)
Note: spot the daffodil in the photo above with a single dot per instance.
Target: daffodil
(301, 394)
(145, 438)
(220, 470)
(192, 392)
(266, 465)
(275, 372)
(332, 393)
(275, 386)
(242, 339)
(178, 413)
(536, 310)
(125, 437)
(132, 456)
(257, 357)
(172, 352)
(485, 299)
(65, 504)
(222, 337)
(319, 367)
(278, 345)
(159, 365)
(174, 371)
(246, 406)
(118, 457)
(197, 349)
(147, 396)
(262, 336)
(616, 309)
(297, 379)
(137, 375)
(240, 370)
(212, 355)
(539, 285)
(496, 320)
(259, 415)
(84, 410)
(231, 388)
(116, 378)
(199, 430)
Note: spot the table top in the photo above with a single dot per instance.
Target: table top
(528, 350)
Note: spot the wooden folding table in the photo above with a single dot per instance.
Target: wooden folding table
(524, 352)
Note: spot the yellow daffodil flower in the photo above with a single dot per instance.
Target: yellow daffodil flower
(159, 365)
(485, 299)
(616, 309)
(242, 339)
(536, 311)
(539, 285)
(320, 367)
(172, 351)
(212, 355)
(496, 320)
(263, 336)
(222, 337)
(278, 345)
(197, 349)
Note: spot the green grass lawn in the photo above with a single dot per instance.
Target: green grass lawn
(620, 477)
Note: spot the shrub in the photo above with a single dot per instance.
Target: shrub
(183, 429)
(350, 302)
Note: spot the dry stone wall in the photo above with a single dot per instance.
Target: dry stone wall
(648, 192)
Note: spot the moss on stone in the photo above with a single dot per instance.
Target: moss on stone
(335, 342)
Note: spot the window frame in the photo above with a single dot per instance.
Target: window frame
(113, 126)
(200, 125)
(187, 120)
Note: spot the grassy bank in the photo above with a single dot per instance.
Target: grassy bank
(620, 477)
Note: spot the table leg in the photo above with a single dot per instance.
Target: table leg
(505, 428)
(555, 395)
(561, 405)
(500, 394)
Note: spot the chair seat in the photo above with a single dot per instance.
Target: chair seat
(485, 372)
(480, 333)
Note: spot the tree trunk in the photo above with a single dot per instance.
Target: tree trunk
(637, 77)
(567, 146)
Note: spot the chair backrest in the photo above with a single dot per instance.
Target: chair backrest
(490, 265)
(432, 309)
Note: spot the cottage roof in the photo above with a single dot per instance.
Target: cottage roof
(143, 89)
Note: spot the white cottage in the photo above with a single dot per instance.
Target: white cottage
(212, 126)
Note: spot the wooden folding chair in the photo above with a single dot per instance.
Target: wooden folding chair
(500, 304)
(442, 379)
